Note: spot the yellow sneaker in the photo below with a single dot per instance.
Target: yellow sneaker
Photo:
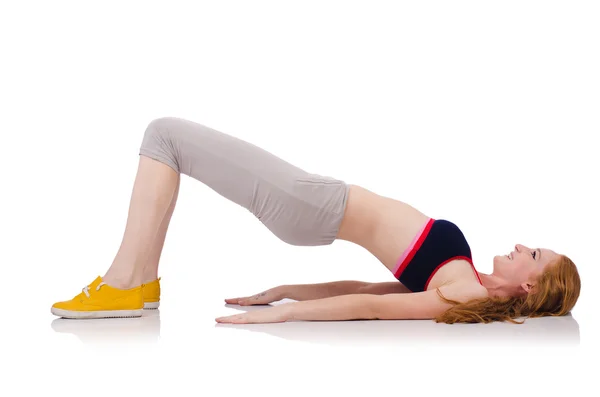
(99, 300)
(151, 292)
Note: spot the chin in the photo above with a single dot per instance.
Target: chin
(500, 262)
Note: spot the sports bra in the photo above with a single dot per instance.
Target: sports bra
(439, 242)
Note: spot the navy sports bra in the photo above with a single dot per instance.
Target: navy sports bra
(439, 242)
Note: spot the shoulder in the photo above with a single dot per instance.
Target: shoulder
(426, 304)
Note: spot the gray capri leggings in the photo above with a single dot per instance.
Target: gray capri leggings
(300, 208)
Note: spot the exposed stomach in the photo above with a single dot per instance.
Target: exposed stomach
(384, 226)
(399, 225)
(387, 227)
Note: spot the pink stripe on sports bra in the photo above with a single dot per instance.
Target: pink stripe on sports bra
(410, 247)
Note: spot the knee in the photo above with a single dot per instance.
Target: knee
(160, 126)
(166, 131)
(158, 142)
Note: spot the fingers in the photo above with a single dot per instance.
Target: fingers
(245, 301)
(234, 301)
(237, 319)
(258, 299)
(253, 300)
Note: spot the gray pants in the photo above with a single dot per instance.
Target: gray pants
(300, 208)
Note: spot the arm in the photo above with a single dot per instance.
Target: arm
(304, 292)
(419, 305)
(384, 288)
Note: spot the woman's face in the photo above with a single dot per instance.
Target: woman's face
(523, 265)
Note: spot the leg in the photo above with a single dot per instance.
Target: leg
(151, 266)
(298, 207)
(119, 293)
(153, 191)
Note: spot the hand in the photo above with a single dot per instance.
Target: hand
(276, 314)
(263, 298)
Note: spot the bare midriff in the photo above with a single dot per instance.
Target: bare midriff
(386, 227)
(383, 226)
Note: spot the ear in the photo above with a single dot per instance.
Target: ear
(527, 287)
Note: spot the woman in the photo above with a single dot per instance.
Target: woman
(430, 257)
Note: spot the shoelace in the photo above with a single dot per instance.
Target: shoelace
(86, 290)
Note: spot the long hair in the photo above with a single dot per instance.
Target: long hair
(554, 294)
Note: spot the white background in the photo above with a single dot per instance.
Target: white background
(483, 113)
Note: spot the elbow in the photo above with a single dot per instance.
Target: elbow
(364, 307)
(380, 312)
(378, 309)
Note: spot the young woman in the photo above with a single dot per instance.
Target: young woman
(430, 257)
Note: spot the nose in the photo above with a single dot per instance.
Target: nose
(520, 247)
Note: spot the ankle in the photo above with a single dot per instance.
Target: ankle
(149, 279)
(148, 276)
(122, 281)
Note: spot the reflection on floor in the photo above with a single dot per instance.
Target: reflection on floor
(553, 331)
(143, 329)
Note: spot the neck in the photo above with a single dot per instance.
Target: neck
(497, 286)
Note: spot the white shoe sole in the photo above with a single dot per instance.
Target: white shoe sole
(96, 313)
(151, 305)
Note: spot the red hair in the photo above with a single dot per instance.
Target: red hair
(555, 292)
